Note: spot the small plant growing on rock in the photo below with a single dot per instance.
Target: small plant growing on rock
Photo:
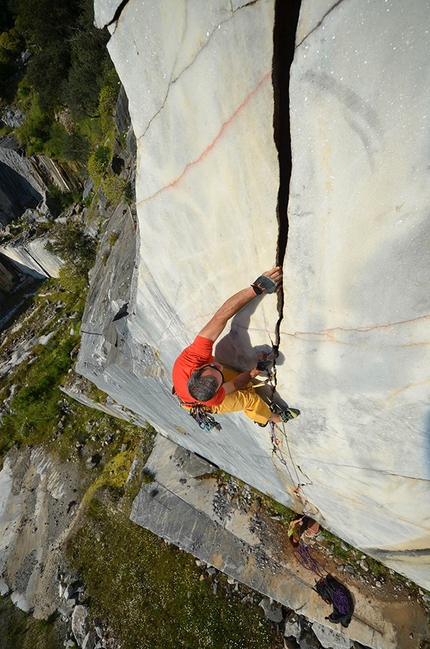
(113, 238)
(147, 476)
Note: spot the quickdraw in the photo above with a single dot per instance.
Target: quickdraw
(199, 412)
(204, 418)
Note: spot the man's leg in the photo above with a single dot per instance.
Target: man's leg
(246, 399)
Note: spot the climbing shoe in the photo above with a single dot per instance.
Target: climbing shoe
(285, 413)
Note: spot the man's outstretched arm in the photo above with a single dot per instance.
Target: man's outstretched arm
(234, 304)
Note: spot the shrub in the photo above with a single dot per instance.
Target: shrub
(66, 146)
(113, 188)
(107, 103)
(36, 127)
(11, 41)
(72, 281)
(98, 164)
(46, 71)
(63, 199)
(113, 238)
(89, 65)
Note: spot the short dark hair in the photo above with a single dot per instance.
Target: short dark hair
(202, 388)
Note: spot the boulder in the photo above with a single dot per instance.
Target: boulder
(90, 640)
(331, 639)
(309, 641)
(80, 623)
(292, 627)
(272, 611)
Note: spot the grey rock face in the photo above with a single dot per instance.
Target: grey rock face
(80, 623)
(35, 493)
(90, 640)
(13, 118)
(272, 611)
(309, 641)
(31, 257)
(21, 186)
(330, 639)
(292, 626)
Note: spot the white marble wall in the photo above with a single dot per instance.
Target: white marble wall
(356, 325)
(200, 91)
(355, 331)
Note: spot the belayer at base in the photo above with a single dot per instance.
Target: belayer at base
(200, 381)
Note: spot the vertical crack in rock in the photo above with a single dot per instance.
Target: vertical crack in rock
(118, 12)
(286, 19)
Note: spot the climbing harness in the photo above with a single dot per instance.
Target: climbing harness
(199, 412)
(203, 417)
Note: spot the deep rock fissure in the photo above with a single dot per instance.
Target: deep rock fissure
(284, 34)
(118, 12)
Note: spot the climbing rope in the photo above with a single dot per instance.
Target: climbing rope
(304, 556)
(303, 553)
(297, 485)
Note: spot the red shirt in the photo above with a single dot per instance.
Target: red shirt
(197, 354)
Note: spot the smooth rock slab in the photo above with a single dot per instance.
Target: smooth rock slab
(330, 639)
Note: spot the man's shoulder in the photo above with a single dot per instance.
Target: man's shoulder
(199, 347)
(200, 343)
(198, 353)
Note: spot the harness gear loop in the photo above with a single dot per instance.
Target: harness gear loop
(199, 412)
(204, 418)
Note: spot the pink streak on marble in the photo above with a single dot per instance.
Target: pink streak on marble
(211, 146)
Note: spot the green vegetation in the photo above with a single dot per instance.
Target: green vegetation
(69, 57)
(152, 594)
(339, 548)
(273, 508)
(113, 238)
(20, 630)
(33, 409)
(113, 188)
(68, 88)
(72, 244)
(376, 568)
(63, 199)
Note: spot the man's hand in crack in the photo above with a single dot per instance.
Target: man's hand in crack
(270, 285)
(268, 282)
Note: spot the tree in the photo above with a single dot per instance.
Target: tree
(73, 245)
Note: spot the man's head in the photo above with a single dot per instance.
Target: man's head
(205, 382)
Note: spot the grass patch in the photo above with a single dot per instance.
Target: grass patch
(339, 548)
(378, 569)
(151, 592)
(275, 509)
(32, 387)
(19, 630)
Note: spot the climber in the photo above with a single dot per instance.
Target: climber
(200, 380)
